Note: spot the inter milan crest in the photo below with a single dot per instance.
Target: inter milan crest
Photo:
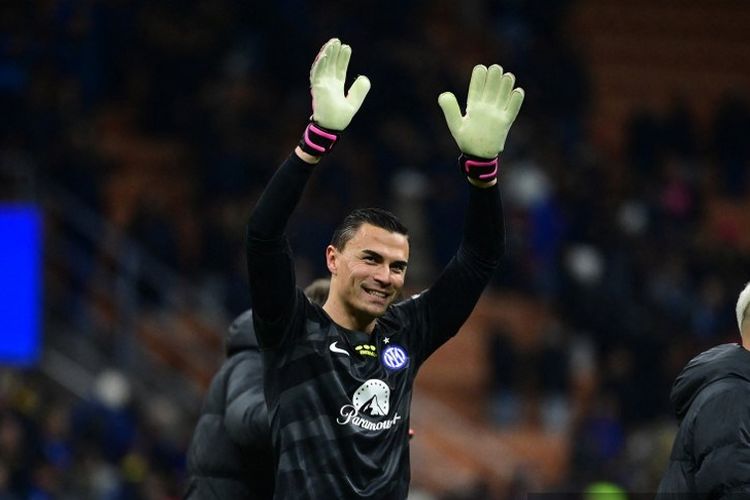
(394, 357)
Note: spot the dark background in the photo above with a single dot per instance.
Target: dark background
(145, 130)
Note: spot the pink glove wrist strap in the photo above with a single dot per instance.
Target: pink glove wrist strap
(481, 169)
(318, 141)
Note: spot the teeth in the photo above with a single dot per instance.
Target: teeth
(377, 294)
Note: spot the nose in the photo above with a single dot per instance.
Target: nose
(383, 275)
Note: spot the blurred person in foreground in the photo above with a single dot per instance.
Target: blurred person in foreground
(711, 454)
(339, 378)
(230, 454)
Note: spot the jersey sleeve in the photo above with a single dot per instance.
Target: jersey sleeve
(270, 264)
(439, 312)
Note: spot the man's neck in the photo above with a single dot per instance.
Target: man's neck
(348, 319)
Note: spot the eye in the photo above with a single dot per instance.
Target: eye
(398, 269)
(369, 258)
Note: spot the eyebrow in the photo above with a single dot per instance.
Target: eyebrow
(376, 255)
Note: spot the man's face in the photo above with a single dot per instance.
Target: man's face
(369, 272)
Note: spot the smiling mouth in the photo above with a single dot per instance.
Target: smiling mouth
(377, 293)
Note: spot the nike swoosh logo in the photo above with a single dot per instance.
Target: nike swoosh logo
(338, 350)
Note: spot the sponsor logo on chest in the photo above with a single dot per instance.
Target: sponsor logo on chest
(370, 403)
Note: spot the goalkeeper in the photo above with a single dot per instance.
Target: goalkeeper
(339, 378)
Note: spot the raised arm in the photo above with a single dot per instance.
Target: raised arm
(269, 259)
(492, 106)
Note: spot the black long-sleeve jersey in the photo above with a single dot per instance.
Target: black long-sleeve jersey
(339, 400)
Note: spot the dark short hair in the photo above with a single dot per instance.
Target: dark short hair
(374, 216)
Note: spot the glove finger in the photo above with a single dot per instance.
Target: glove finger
(358, 91)
(493, 83)
(332, 54)
(330, 43)
(476, 85)
(514, 103)
(452, 112)
(506, 86)
(317, 70)
(321, 62)
(342, 63)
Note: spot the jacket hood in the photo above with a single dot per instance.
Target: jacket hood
(241, 334)
(726, 360)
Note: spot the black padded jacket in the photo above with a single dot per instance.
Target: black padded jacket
(711, 454)
(230, 453)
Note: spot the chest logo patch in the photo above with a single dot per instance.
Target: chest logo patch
(334, 348)
(373, 398)
(394, 357)
(366, 350)
(371, 403)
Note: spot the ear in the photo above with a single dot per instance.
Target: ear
(332, 256)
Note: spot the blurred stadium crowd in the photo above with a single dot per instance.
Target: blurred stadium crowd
(166, 119)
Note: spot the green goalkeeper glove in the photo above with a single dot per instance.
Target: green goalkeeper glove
(491, 107)
(332, 109)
